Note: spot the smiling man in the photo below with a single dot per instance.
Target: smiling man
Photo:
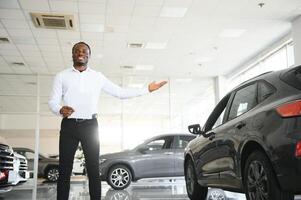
(79, 89)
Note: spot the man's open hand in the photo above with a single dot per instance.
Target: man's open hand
(66, 111)
(154, 86)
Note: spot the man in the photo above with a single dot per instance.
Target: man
(79, 89)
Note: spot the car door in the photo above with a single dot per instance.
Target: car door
(206, 155)
(228, 137)
(156, 158)
(179, 145)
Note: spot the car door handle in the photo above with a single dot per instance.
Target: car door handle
(168, 153)
(239, 125)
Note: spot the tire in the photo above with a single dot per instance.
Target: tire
(119, 177)
(259, 180)
(52, 173)
(194, 190)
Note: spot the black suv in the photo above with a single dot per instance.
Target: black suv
(251, 141)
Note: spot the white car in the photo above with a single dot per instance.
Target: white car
(20, 173)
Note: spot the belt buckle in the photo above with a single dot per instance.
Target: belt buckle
(79, 120)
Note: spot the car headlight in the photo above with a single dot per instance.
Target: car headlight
(102, 160)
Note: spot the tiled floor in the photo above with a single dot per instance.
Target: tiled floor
(151, 189)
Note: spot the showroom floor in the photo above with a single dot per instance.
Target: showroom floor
(167, 189)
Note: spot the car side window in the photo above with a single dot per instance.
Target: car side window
(182, 141)
(264, 91)
(160, 143)
(216, 118)
(244, 100)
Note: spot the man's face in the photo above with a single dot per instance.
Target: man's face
(80, 55)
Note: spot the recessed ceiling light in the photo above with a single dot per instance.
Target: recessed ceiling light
(144, 67)
(135, 45)
(155, 45)
(177, 12)
(232, 33)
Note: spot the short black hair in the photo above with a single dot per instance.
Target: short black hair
(81, 43)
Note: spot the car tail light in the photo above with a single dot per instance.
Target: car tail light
(298, 149)
(3, 175)
(291, 109)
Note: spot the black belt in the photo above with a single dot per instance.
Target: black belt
(94, 116)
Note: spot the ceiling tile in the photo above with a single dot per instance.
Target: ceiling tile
(24, 40)
(9, 4)
(68, 35)
(21, 70)
(19, 33)
(46, 48)
(9, 52)
(147, 11)
(6, 69)
(8, 47)
(91, 19)
(41, 5)
(92, 36)
(45, 41)
(118, 20)
(44, 33)
(31, 53)
(120, 9)
(177, 3)
(92, 28)
(3, 33)
(63, 6)
(11, 14)
(88, 8)
(39, 70)
(15, 24)
(27, 47)
(150, 3)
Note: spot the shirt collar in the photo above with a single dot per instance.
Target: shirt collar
(75, 70)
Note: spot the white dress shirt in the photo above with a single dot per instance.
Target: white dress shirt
(81, 91)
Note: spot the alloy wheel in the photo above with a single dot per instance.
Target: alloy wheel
(257, 181)
(53, 174)
(120, 177)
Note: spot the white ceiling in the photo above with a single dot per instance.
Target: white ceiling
(192, 37)
(109, 25)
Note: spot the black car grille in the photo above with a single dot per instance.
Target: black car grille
(23, 164)
(6, 158)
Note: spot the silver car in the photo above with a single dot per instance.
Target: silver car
(160, 156)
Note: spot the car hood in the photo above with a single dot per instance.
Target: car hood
(121, 154)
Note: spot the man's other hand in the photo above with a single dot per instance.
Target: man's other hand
(154, 86)
(66, 111)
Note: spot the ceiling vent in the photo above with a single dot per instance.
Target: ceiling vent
(135, 45)
(53, 21)
(4, 40)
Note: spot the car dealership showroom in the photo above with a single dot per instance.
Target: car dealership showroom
(150, 99)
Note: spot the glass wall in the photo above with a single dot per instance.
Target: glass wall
(279, 58)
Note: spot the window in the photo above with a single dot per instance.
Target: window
(183, 141)
(29, 155)
(264, 91)
(216, 118)
(244, 100)
(161, 143)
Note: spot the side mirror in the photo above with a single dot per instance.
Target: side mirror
(195, 129)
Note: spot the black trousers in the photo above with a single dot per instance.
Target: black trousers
(72, 132)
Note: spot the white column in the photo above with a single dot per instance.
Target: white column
(296, 33)
(219, 88)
